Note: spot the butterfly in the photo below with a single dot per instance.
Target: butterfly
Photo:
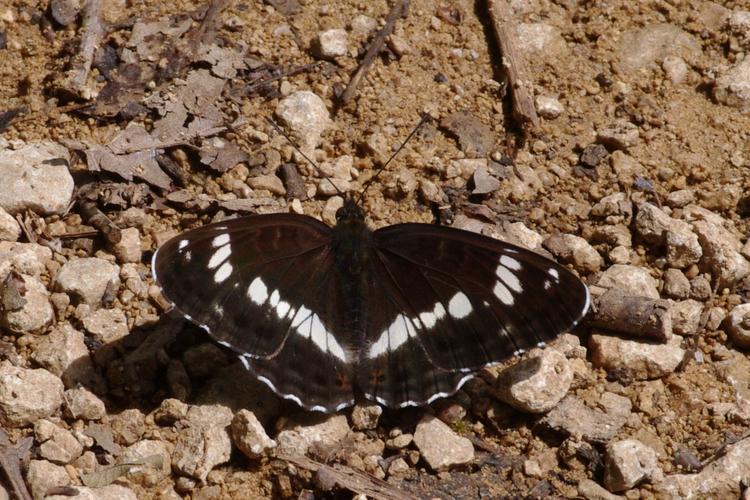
(402, 315)
(327, 316)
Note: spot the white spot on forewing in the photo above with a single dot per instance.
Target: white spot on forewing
(430, 318)
(308, 325)
(510, 263)
(220, 240)
(182, 244)
(220, 255)
(282, 309)
(503, 294)
(459, 306)
(223, 272)
(439, 311)
(555, 274)
(393, 337)
(547, 284)
(275, 297)
(188, 256)
(301, 316)
(257, 291)
(509, 278)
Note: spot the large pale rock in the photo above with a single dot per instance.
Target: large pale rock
(642, 360)
(249, 435)
(440, 446)
(64, 353)
(630, 280)
(306, 115)
(43, 475)
(36, 177)
(204, 443)
(27, 395)
(34, 310)
(24, 258)
(535, 384)
(297, 438)
(627, 463)
(721, 478)
(88, 278)
(574, 418)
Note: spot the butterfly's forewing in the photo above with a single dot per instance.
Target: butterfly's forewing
(473, 300)
(260, 285)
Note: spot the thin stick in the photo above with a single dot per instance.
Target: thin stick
(633, 316)
(10, 462)
(352, 479)
(520, 85)
(398, 10)
(252, 87)
(93, 31)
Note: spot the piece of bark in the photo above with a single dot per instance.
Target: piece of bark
(293, 181)
(329, 476)
(634, 316)
(173, 169)
(513, 63)
(399, 9)
(10, 461)
(93, 31)
(92, 215)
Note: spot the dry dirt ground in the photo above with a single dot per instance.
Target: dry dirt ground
(655, 65)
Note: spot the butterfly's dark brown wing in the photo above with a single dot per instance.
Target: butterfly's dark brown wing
(394, 367)
(260, 286)
(471, 300)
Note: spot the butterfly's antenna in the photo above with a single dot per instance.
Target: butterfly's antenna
(296, 148)
(424, 118)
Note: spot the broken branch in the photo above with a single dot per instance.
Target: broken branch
(397, 11)
(635, 316)
(92, 215)
(518, 77)
(352, 479)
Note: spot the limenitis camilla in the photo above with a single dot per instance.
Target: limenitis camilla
(402, 315)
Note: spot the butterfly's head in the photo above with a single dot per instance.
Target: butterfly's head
(350, 211)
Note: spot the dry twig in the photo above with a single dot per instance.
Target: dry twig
(92, 215)
(399, 10)
(518, 76)
(93, 31)
(352, 479)
(10, 462)
(634, 316)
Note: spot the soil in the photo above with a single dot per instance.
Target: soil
(591, 60)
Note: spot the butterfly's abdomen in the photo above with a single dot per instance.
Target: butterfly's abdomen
(352, 250)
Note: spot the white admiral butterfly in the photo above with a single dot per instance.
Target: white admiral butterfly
(402, 315)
